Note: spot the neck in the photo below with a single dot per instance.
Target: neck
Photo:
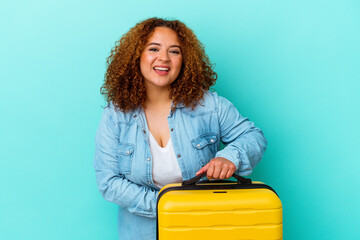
(157, 96)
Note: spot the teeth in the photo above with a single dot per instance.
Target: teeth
(161, 68)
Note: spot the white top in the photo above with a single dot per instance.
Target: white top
(165, 167)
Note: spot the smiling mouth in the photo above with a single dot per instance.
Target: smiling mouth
(165, 69)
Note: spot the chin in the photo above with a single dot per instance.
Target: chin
(162, 83)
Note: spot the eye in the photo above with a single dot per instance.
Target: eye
(175, 52)
(153, 49)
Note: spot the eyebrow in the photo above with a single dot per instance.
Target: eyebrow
(158, 44)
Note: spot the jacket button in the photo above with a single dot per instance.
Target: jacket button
(148, 159)
(172, 129)
(198, 146)
(127, 152)
(212, 140)
(178, 155)
(149, 182)
(144, 131)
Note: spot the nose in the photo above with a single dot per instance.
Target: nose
(163, 56)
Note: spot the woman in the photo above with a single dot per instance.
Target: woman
(163, 125)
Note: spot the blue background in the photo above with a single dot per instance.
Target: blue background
(290, 66)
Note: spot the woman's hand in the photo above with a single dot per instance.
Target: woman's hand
(218, 168)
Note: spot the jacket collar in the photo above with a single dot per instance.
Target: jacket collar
(179, 105)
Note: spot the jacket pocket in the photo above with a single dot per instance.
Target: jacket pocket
(125, 156)
(206, 147)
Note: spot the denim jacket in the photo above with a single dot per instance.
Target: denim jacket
(123, 161)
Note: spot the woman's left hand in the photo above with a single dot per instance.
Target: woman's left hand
(218, 168)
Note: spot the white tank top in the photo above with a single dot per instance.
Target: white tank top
(165, 167)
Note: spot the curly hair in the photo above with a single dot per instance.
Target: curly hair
(124, 84)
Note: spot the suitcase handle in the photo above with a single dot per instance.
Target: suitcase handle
(194, 180)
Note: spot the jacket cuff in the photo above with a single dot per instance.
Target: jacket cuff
(237, 157)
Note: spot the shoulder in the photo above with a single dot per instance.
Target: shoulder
(213, 100)
(112, 114)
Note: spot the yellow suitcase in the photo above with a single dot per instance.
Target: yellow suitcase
(218, 210)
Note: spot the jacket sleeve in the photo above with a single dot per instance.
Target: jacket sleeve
(113, 186)
(245, 143)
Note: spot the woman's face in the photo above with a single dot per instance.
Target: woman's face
(161, 60)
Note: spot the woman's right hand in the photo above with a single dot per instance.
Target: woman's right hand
(218, 168)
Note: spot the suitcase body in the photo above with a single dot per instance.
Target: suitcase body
(220, 210)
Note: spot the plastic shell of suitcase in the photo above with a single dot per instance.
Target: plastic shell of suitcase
(218, 210)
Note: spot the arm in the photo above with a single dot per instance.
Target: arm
(112, 185)
(245, 144)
